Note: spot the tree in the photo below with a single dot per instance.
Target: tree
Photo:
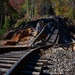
(2, 8)
(5, 9)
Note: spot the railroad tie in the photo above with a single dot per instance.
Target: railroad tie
(8, 61)
(3, 71)
(36, 64)
(3, 65)
(11, 56)
(43, 58)
(13, 59)
(33, 68)
(26, 72)
(39, 60)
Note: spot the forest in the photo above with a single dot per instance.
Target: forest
(14, 13)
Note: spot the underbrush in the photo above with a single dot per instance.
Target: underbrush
(2, 32)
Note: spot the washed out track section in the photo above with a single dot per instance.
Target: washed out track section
(9, 56)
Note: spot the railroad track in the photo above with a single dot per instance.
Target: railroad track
(25, 62)
(12, 62)
(7, 60)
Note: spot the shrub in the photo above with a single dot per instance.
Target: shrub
(2, 31)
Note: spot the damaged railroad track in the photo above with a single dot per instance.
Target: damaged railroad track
(30, 61)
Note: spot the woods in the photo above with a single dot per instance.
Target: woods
(13, 11)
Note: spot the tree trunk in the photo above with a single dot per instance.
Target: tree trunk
(74, 8)
(2, 14)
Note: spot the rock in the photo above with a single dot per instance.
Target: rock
(22, 35)
(61, 62)
(16, 37)
(25, 38)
